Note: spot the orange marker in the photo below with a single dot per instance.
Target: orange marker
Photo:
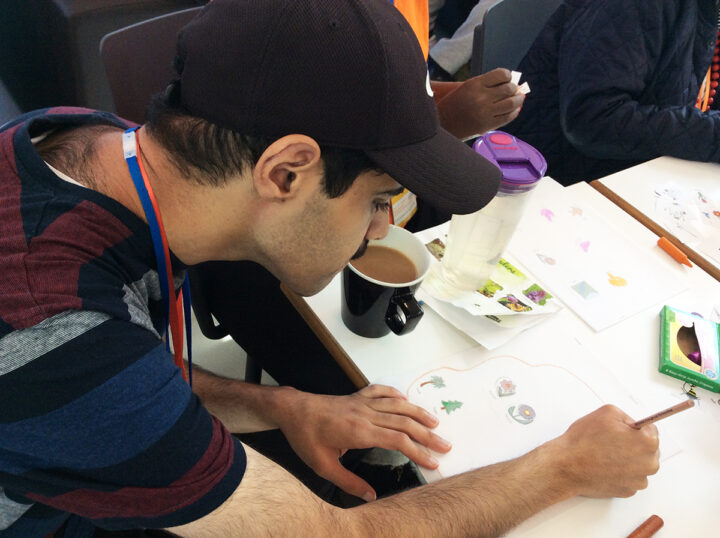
(648, 528)
(679, 256)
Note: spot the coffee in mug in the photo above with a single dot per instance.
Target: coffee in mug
(386, 264)
(379, 287)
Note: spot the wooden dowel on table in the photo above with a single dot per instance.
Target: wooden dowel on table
(655, 228)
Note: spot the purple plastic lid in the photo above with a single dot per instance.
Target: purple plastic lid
(519, 162)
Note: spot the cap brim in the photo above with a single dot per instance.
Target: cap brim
(443, 171)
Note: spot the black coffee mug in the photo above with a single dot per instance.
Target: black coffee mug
(372, 308)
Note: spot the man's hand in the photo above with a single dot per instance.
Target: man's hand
(603, 456)
(479, 104)
(322, 428)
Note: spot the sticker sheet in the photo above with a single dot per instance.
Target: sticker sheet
(511, 289)
(508, 292)
(586, 262)
(491, 315)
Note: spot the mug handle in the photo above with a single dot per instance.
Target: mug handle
(410, 309)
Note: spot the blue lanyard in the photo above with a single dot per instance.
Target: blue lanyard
(162, 256)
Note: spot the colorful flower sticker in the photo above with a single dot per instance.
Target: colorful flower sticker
(524, 414)
(511, 302)
(537, 295)
(548, 214)
(505, 387)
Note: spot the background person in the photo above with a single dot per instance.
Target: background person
(616, 83)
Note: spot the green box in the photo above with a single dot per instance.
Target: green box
(686, 340)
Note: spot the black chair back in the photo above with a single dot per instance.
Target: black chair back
(508, 30)
(138, 60)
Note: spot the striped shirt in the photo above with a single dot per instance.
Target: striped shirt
(97, 425)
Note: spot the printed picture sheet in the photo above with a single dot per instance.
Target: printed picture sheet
(509, 290)
(511, 302)
(587, 263)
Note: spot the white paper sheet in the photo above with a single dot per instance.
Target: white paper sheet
(497, 406)
(583, 260)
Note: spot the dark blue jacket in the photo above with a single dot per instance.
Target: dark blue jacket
(614, 83)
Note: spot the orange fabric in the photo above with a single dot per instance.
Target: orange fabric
(416, 13)
(703, 98)
(175, 307)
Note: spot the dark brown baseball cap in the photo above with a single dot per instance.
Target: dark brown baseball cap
(348, 73)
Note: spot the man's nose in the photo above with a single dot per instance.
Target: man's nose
(379, 226)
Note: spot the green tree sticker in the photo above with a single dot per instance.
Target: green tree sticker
(436, 381)
(450, 405)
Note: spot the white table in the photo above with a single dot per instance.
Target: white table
(686, 491)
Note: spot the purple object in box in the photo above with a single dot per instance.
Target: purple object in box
(521, 164)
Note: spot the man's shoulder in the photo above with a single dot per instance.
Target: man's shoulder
(64, 247)
(58, 252)
(64, 115)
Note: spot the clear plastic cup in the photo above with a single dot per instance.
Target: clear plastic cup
(476, 241)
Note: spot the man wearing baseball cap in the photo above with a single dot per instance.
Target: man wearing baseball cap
(290, 126)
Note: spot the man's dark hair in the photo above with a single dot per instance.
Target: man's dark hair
(209, 154)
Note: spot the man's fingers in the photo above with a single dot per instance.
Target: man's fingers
(381, 391)
(413, 430)
(414, 445)
(394, 440)
(404, 408)
(651, 431)
(347, 481)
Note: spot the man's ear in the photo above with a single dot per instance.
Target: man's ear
(286, 165)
